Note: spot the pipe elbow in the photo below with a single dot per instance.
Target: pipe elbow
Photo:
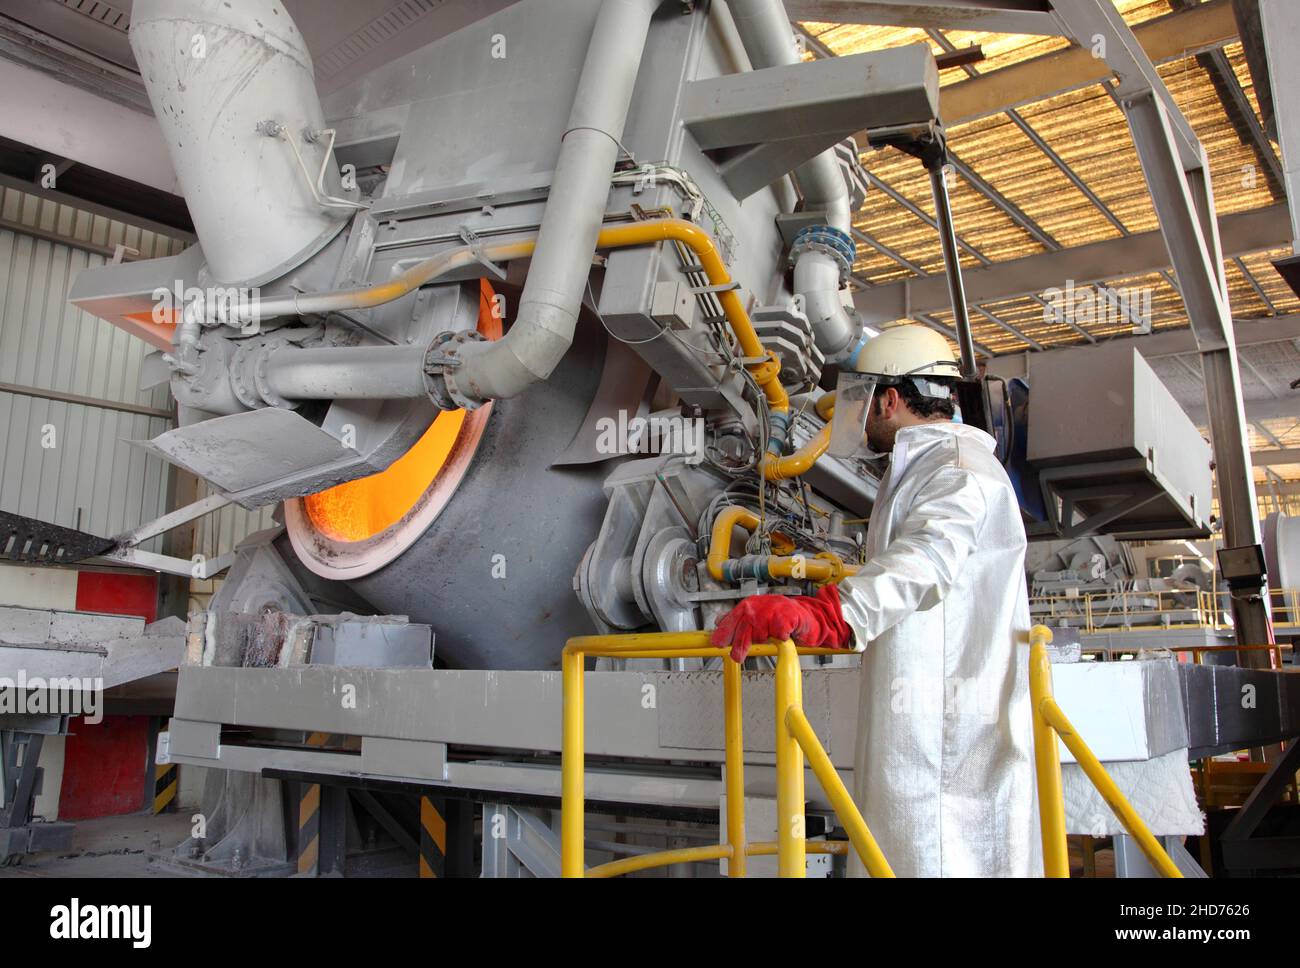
(817, 281)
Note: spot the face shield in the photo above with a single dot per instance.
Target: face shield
(854, 393)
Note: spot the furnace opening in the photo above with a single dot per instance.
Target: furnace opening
(359, 510)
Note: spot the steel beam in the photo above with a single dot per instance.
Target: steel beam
(1184, 203)
(1281, 22)
(1174, 36)
(70, 121)
(1272, 458)
(1098, 27)
(59, 396)
(1254, 284)
(1240, 234)
(829, 96)
(1172, 342)
(997, 16)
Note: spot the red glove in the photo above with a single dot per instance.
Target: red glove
(812, 621)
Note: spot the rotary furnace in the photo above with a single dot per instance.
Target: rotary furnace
(416, 308)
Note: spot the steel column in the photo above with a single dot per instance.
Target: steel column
(1185, 206)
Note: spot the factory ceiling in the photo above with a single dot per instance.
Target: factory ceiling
(1043, 164)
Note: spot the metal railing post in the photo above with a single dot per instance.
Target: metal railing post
(1051, 724)
(790, 833)
(790, 848)
(1047, 759)
(735, 768)
(572, 754)
(842, 802)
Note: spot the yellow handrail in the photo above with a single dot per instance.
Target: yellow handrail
(1049, 724)
(795, 739)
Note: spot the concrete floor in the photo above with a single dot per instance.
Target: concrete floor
(110, 847)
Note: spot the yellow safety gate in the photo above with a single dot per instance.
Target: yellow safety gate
(795, 740)
(1049, 724)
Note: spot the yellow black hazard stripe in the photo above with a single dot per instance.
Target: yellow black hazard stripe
(433, 838)
(166, 781)
(308, 827)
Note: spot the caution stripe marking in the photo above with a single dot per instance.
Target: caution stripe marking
(165, 784)
(433, 838)
(308, 828)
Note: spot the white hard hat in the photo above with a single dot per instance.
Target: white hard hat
(907, 350)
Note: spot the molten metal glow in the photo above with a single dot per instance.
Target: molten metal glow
(361, 509)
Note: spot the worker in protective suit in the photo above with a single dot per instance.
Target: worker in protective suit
(943, 771)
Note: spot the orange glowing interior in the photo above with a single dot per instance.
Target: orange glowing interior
(145, 324)
(361, 509)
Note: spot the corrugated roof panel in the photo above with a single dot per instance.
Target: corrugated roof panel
(1285, 429)
(1004, 50)
(1239, 184)
(1088, 131)
(1005, 157)
(1090, 134)
(1242, 297)
(978, 222)
(1279, 293)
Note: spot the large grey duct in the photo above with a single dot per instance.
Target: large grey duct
(216, 71)
(566, 241)
(764, 28)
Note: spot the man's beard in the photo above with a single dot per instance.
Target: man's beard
(880, 439)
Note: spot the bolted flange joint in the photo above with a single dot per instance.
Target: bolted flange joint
(440, 362)
(830, 240)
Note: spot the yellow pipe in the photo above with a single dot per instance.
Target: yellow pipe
(1047, 759)
(1114, 798)
(821, 570)
(859, 834)
(767, 372)
(720, 538)
(792, 465)
(712, 652)
(778, 566)
(734, 744)
(768, 848)
(573, 803)
(790, 833)
(688, 855)
(616, 644)
(663, 858)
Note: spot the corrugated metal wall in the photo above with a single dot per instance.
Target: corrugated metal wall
(220, 532)
(70, 462)
(93, 478)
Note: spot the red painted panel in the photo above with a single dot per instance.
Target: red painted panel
(104, 767)
(118, 593)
